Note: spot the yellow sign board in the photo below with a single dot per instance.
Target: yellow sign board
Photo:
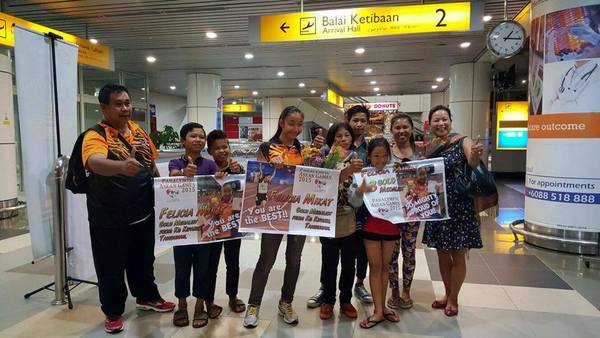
(334, 98)
(238, 108)
(90, 54)
(362, 22)
(511, 125)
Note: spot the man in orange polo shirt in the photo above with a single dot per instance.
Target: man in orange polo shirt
(120, 206)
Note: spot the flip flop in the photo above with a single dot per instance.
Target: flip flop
(181, 318)
(391, 317)
(237, 305)
(200, 319)
(214, 311)
(439, 305)
(450, 313)
(370, 323)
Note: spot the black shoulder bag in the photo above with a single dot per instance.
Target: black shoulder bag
(474, 182)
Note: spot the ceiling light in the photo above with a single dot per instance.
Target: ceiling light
(487, 18)
(280, 73)
(249, 56)
(151, 59)
(144, 88)
(143, 98)
(359, 50)
(234, 102)
(312, 91)
(465, 44)
(376, 89)
(211, 35)
(373, 82)
(434, 87)
(378, 94)
(255, 93)
(439, 79)
(236, 87)
(368, 70)
(301, 85)
(94, 41)
(173, 87)
(523, 81)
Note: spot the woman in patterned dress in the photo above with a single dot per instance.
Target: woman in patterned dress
(453, 237)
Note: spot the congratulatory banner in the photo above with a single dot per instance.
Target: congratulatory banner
(293, 200)
(365, 22)
(414, 192)
(197, 210)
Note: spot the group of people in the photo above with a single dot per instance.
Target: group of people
(120, 205)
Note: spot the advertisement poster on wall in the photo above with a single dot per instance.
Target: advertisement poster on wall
(565, 128)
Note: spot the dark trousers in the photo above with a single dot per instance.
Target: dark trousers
(203, 261)
(361, 259)
(332, 249)
(232, 260)
(210, 282)
(190, 258)
(125, 250)
(269, 245)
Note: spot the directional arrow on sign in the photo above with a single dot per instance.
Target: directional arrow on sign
(283, 27)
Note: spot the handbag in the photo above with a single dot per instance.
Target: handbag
(345, 221)
(474, 182)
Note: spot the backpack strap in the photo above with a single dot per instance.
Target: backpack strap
(99, 129)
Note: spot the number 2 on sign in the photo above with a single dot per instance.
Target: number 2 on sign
(440, 24)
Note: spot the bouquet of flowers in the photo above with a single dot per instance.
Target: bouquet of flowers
(336, 157)
(312, 156)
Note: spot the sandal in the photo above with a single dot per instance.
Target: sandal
(200, 319)
(181, 318)
(214, 310)
(406, 304)
(237, 305)
(369, 323)
(439, 305)
(391, 316)
(449, 312)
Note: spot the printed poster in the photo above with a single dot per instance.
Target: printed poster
(293, 200)
(414, 192)
(197, 210)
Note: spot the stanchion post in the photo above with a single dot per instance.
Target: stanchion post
(60, 271)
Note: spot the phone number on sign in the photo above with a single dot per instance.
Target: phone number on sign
(565, 197)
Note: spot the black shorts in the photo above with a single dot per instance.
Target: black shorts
(260, 198)
(378, 237)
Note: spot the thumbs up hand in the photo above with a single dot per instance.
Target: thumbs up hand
(476, 149)
(130, 166)
(190, 169)
(234, 166)
(356, 163)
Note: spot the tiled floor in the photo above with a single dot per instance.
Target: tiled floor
(512, 290)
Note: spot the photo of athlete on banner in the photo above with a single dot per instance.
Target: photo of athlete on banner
(412, 191)
(292, 199)
(197, 210)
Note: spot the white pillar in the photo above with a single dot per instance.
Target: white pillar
(8, 157)
(469, 98)
(203, 92)
(563, 180)
(271, 109)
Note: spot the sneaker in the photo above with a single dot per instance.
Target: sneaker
(159, 305)
(287, 312)
(251, 317)
(326, 311)
(349, 310)
(113, 324)
(316, 300)
(362, 294)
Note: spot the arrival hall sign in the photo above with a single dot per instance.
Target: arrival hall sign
(366, 22)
